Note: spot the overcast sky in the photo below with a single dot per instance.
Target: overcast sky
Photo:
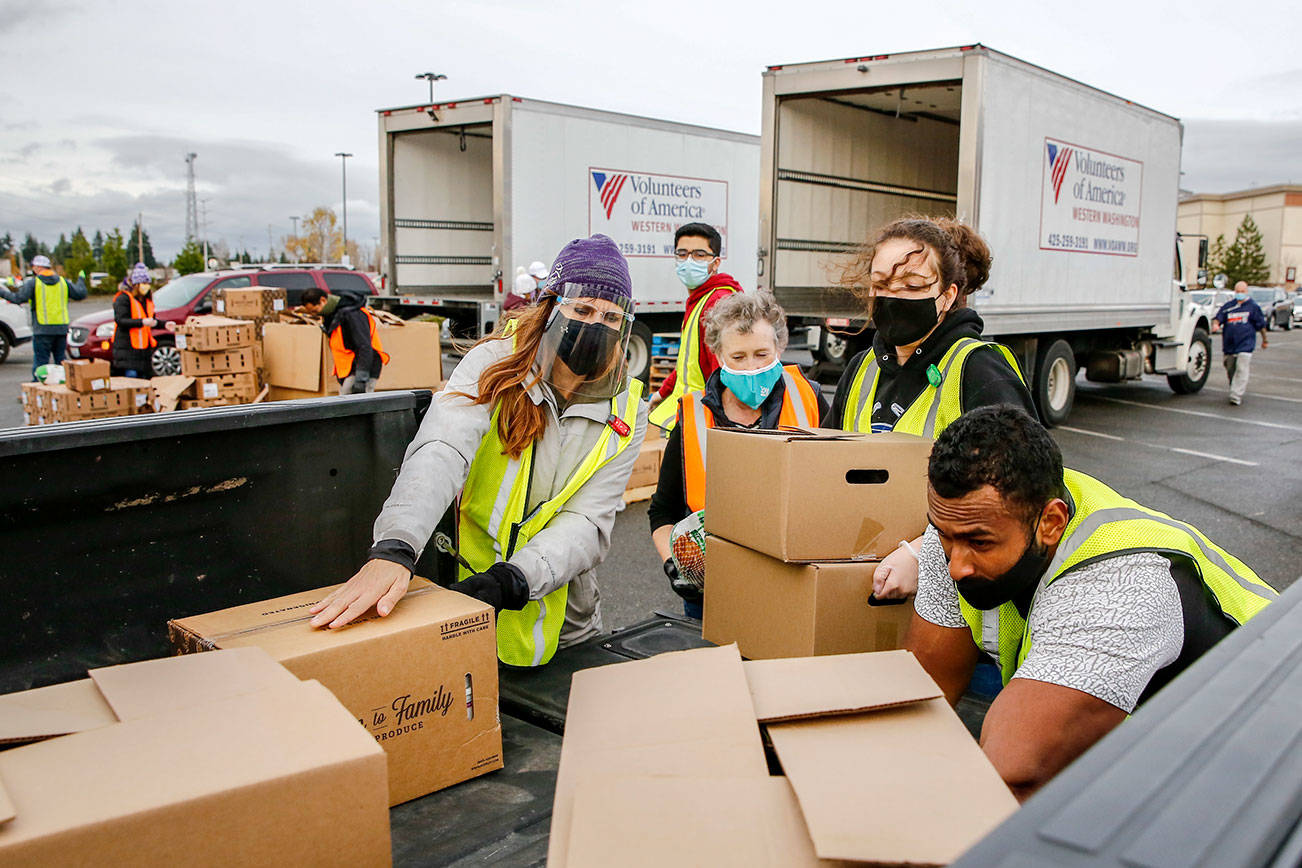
(99, 102)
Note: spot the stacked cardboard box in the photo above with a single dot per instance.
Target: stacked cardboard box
(222, 758)
(300, 365)
(115, 396)
(663, 764)
(223, 355)
(86, 375)
(798, 523)
(258, 304)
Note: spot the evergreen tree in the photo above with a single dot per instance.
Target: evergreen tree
(79, 255)
(190, 259)
(61, 250)
(97, 247)
(31, 248)
(132, 248)
(1216, 258)
(115, 256)
(6, 244)
(1246, 258)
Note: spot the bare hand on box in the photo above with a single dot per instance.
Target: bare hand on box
(897, 577)
(379, 583)
(170, 326)
(149, 322)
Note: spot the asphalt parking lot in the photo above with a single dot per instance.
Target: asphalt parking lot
(1234, 472)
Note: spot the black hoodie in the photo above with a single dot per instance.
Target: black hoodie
(356, 326)
(987, 379)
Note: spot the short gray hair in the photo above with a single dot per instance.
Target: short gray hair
(740, 311)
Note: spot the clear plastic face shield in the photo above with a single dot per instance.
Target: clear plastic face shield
(583, 352)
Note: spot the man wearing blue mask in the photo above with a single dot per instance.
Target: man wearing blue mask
(1240, 320)
(696, 252)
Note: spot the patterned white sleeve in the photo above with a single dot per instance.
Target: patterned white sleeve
(1106, 628)
(937, 601)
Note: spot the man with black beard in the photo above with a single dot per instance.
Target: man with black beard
(1087, 601)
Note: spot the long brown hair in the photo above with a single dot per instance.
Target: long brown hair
(505, 384)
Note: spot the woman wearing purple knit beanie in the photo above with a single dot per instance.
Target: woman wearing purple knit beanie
(536, 432)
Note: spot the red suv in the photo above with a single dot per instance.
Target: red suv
(91, 336)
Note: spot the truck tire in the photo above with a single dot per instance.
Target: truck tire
(833, 349)
(1055, 383)
(639, 352)
(6, 343)
(1199, 367)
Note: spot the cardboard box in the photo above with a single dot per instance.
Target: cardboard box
(236, 361)
(297, 357)
(201, 403)
(207, 333)
(262, 302)
(423, 680)
(86, 375)
(236, 388)
(646, 469)
(167, 391)
(814, 496)
(882, 770)
(775, 609)
(137, 394)
(64, 405)
(415, 356)
(230, 761)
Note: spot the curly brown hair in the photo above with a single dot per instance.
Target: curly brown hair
(962, 254)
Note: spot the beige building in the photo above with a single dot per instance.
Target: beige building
(1277, 211)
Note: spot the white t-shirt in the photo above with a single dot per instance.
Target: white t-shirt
(1103, 629)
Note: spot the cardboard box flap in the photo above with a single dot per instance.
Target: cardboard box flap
(656, 821)
(792, 434)
(6, 805)
(931, 791)
(46, 712)
(136, 690)
(802, 687)
(211, 320)
(680, 713)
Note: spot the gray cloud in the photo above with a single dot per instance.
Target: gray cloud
(1222, 156)
(15, 14)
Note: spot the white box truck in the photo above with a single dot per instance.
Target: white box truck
(1074, 189)
(471, 189)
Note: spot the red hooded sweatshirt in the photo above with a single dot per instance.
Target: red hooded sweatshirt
(709, 364)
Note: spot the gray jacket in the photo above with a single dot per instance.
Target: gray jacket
(26, 294)
(577, 538)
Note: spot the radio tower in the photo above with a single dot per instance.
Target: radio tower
(191, 201)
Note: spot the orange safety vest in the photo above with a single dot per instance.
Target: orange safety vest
(697, 419)
(344, 356)
(141, 338)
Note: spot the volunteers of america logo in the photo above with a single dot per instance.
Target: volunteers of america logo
(1059, 159)
(609, 186)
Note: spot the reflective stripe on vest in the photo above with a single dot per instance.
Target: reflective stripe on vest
(687, 368)
(493, 525)
(51, 302)
(1105, 525)
(935, 408)
(697, 420)
(344, 356)
(142, 338)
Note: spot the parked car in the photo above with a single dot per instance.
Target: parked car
(1297, 306)
(91, 336)
(1276, 304)
(15, 327)
(1210, 301)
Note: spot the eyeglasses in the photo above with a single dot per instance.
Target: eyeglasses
(584, 312)
(697, 255)
(901, 287)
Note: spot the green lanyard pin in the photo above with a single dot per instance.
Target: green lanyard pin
(933, 375)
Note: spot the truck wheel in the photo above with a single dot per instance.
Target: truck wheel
(1200, 365)
(1055, 383)
(6, 343)
(639, 352)
(833, 348)
(166, 361)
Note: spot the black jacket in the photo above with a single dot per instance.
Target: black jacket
(126, 357)
(356, 326)
(987, 379)
(669, 503)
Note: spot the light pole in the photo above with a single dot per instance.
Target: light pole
(431, 77)
(343, 161)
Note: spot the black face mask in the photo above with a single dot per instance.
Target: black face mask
(1013, 585)
(586, 346)
(902, 321)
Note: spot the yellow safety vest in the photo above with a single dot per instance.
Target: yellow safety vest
(936, 406)
(493, 524)
(687, 368)
(51, 302)
(1105, 525)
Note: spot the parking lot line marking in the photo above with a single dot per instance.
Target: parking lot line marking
(1231, 419)
(1211, 455)
(1258, 395)
(1091, 433)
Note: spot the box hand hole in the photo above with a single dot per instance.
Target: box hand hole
(866, 477)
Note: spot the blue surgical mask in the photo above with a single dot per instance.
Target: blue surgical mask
(752, 387)
(692, 273)
(1240, 296)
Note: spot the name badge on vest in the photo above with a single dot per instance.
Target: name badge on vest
(619, 425)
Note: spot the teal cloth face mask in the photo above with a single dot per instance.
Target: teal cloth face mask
(692, 273)
(752, 387)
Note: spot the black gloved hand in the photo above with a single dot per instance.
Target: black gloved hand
(501, 586)
(681, 586)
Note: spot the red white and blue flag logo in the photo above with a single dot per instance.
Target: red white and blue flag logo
(609, 186)
(1059, 158)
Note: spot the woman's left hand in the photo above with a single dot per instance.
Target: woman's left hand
(170, 326)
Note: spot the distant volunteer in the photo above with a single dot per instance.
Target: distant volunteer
(747, 333)
(48, 294)
(928, 364)
(355, 345)
(134, 323)
(1241, 320)
(536, 431)
(697, 249)
(1088, 601)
